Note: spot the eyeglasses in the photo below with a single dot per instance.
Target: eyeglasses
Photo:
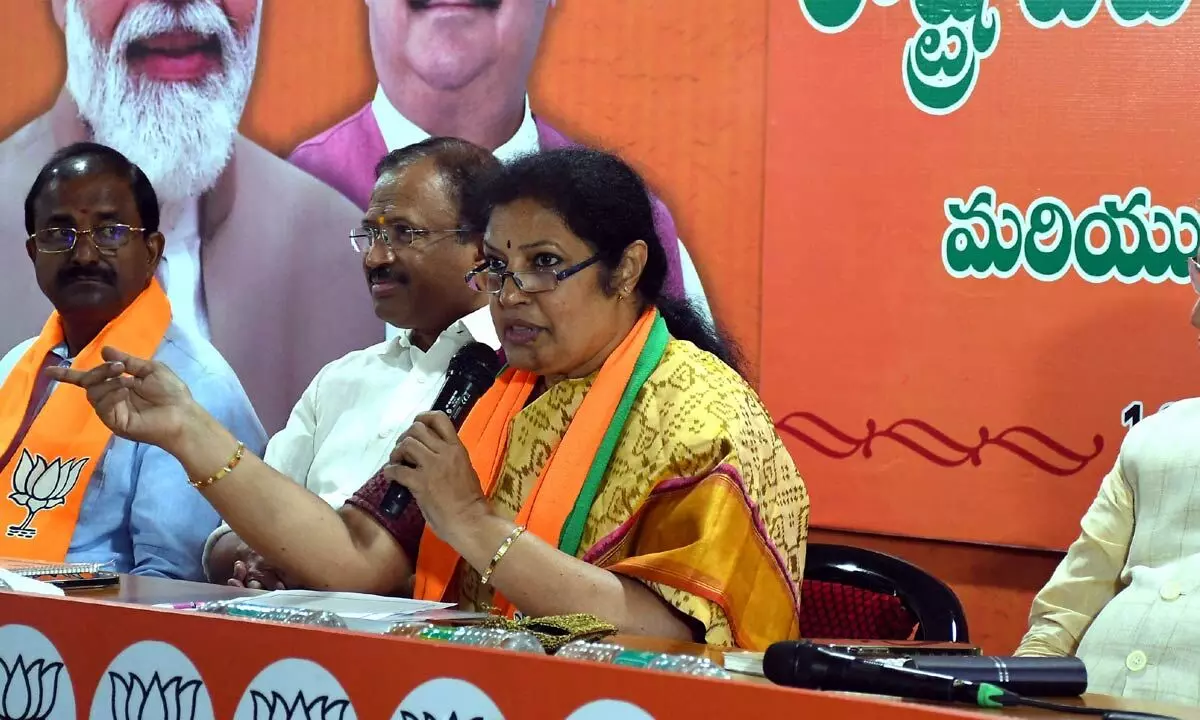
(107, 238)
(531, 281)
(364, 237)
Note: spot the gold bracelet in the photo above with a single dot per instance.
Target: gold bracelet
(504, 546)
(229, 466)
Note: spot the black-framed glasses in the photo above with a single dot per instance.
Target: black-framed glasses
(106, 238)
(489, 281)
(364, 237)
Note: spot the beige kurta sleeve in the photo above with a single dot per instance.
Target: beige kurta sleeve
(1088, 577)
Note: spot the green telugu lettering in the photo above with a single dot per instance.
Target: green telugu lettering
(941, 61)
(1137, 239)
(832, 16)
(1045, 14)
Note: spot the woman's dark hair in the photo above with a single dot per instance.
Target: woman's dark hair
(461, 163)
(606, 204)
(101, 158)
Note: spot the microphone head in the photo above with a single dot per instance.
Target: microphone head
(797, 664)
(477, 359)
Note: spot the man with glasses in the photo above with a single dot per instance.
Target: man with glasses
(458, 69)
(417, 242)
(79, 494)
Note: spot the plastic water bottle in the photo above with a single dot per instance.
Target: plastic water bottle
(617, 655)
(517, 641)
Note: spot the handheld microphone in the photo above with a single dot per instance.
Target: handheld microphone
(804, 665)
(471, 372)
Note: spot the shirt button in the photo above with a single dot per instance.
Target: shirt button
(421, 379)
(1136, 662)
(1170, 591)
(385, 432)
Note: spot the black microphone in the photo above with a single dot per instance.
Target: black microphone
(471, 372)
(804, 665)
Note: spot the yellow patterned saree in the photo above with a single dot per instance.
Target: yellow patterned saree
(700, 501)
(663, 467)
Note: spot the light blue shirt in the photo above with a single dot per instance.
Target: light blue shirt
(139, 512)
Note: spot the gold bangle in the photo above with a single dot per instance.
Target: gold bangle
(504, 546)
(229, 466)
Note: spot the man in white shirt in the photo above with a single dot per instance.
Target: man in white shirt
(417, 244)
(165, 82)
(457, 70)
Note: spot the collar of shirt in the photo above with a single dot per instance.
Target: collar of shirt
(179, 271)
(398, 131)
(476, 327)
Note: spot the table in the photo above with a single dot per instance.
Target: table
(149, 591)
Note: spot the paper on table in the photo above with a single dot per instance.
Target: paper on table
(22, 584)
(349, 605)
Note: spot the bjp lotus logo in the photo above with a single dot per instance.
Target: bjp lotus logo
(28, 691)
(40, 485)
(277, 707)
(135, 699)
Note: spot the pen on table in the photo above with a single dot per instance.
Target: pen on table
(179, 606)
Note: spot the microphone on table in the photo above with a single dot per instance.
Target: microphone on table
(471, 372)
(801, 664)
(804, 665)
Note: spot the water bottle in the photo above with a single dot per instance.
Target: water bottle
(617, 655)
(517, 641)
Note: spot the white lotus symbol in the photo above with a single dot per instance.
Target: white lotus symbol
(28, 692)
(135, 699)
(276, 707)
(40, 485)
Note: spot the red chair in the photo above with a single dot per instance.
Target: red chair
(851, 593)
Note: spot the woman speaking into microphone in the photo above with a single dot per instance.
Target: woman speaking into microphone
(619, 466)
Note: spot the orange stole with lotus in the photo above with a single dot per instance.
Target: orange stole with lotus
(50, 471)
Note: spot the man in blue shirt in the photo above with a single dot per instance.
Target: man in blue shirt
(77, 493)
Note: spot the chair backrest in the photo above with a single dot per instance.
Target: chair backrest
(863, 592)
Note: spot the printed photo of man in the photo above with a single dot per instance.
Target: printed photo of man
(456, 68)
(258, 262)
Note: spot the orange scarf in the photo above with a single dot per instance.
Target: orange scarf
(51, 469)
(485, 435)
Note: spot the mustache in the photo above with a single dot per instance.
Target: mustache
(142, 118)
(482, 4)
(386, 273)
(202, 17)
(96, 273)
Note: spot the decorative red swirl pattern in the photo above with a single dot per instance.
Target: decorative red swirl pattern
(936, 446)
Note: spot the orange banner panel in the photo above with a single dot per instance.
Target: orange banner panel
(67, 658)
(974, 265)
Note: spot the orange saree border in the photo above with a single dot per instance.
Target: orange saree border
(733, 564)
